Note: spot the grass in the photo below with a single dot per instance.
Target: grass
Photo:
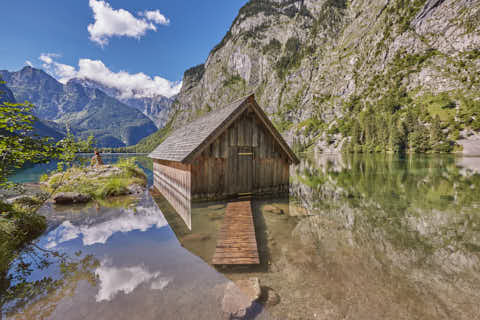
(77, 179)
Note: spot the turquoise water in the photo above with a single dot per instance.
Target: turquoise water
(32, 173)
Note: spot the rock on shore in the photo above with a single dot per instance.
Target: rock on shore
(71, 197)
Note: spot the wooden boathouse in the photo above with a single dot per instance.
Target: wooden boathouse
(229, 152)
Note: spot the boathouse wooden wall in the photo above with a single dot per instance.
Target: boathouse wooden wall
(173, 180)
(245, 158)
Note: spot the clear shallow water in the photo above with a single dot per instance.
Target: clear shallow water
(372, 237)
(112, 263)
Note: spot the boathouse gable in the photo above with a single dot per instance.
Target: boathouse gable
(232, 151)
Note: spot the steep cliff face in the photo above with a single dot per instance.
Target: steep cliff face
(378, 74)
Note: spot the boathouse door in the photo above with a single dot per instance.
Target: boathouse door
(245, 171)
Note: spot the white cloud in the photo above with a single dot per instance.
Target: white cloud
(144, 219)
(47, 58)
(114, 280)
(136, 85)
(110, 22)
(155, 16)
(29, 63)
(63, 72)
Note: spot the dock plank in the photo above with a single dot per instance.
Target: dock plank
(236, 242)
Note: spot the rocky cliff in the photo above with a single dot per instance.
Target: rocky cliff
(363, 75)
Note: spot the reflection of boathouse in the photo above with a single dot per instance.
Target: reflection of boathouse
(229, 152)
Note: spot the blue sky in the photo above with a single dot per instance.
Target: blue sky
(90, 37)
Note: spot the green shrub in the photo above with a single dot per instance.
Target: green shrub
(273, 47)
(113, 187)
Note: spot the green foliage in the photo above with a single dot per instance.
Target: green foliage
(79, 179)
(130, 169)
(233, 81)
(147, 144)
(273, 47)
(441, 105)
(393, 124)
(291, 59)
(17, 227)
(68, 147)
(113, 187)
(340, 4)
(18, 144)
(193, 75)
(403, 11)
(390, 190)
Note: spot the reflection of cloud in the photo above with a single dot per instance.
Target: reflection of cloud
(144, 219)
(160, 283)
(114, 280)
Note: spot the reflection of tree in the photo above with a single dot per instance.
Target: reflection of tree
(394, 195)
(38, 298)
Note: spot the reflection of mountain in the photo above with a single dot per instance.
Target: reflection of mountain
(414, 220)
(114, 280)
(96, 230)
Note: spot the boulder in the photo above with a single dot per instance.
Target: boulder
(238, 301)
(71, 197)
(250, 287)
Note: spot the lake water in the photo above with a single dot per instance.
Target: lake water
(365, 237)
(32, 173)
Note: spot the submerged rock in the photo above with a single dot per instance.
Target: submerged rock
(240, 297)
(71, 197)
(250, 287)
(269, 297)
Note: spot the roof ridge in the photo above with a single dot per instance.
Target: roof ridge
(185, 139)
(188, 140)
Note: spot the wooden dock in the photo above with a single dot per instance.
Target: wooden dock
(236, 242)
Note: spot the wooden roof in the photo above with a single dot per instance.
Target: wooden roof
(185, 143)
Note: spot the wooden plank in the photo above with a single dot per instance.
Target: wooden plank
(254, 134)
(216, 148)
(248, 131)
(225, 145)
(236, 241)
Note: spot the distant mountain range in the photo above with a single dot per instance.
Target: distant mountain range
(156, 107)
(85, 107)
(41, 127)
